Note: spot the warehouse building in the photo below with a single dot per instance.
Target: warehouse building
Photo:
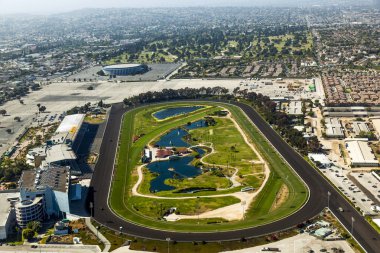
(360, 127)
(376, 125)
(295, 108)
(353, 111)
(334, 128)
(321, 160)
(361, 154)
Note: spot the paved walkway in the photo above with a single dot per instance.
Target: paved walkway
(107, 244)
(299, 244)
(51, 248)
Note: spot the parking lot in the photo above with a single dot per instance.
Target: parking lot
(302, 243)
(48, 118)
(372, 184)
(278, 88)
(348, 188)
(157, 71)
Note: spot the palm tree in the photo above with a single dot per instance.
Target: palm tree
(34, 225)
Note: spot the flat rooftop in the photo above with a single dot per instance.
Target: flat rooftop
(322, 158)
(360, 152)
(59, 152)
(295, 107)
(5, 205)
(69, 127)
(334, 127)
(121, 66)
(55, 177)
(359, 127)
(376, 125)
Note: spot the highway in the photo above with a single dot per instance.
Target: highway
(317, 184)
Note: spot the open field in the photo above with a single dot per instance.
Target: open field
(156, 208)
(205, 180)
(229, 146)
(259, 212)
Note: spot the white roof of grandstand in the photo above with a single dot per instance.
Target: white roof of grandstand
(70, 126)
(70, 122)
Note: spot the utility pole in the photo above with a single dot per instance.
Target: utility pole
(242, 205)
(328, 199)
(352, 225)
(168, 240)
(92, 209)
(198, 207)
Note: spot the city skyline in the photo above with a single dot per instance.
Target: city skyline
(47, 7)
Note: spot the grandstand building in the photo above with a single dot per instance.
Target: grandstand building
(60, 148)
(45, 193)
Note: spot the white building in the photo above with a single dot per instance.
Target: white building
(43, 193)
(322, 159)
(360, 127)
(29, 210)
(60, 148)
(334, 128)
(361, 154)
(295, 108)
(376, 125)
(7, 213)
(353, 111)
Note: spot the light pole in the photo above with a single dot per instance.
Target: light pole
(328, 199)
(198, 207)
(168, 240)
(92, 209)
(121, 229)
(352, 225)
(242, 205)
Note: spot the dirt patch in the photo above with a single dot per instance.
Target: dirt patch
(281, 197)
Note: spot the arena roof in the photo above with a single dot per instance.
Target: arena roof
(122, 66)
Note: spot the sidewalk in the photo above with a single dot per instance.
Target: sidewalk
(107, 244)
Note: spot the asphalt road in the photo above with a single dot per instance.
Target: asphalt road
(317, 184)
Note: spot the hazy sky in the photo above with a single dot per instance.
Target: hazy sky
(53, 6)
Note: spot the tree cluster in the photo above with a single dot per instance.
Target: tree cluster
(283, 122)
(11, 170)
